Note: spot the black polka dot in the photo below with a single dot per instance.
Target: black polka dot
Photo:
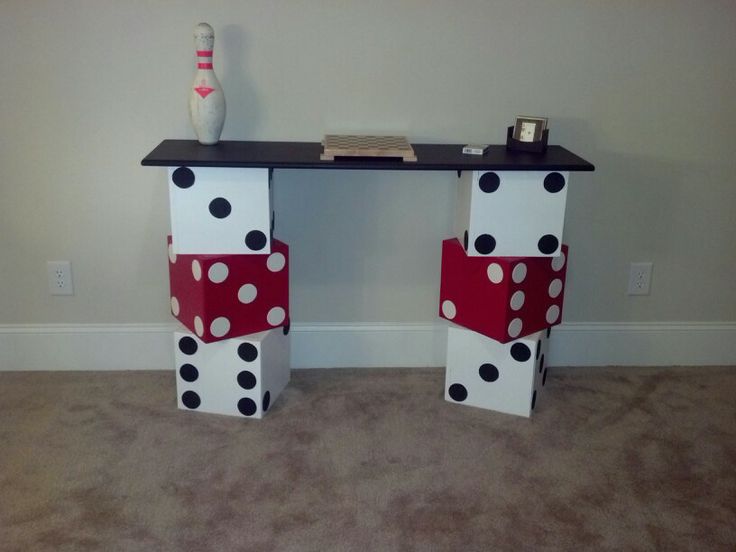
(541, 364)
(248, 352)
(458, 392)
(488, 372)
(520, 352)
(489, 182)
(485, 244)
(255, 240)
(554, 182)
(548, 244)
(544, 377)
(549, 331)
(220, 207)
(246, 380)
(539, 348)
(188, 372)
(183, 177)
(287, 327)
(534, 399)
(187, 345)
(465, 241)
(191, 400)
(247, 407)
(266, 400)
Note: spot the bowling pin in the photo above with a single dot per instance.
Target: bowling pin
(207, 100)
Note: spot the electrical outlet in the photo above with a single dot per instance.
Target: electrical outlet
(60, 277)
(640, 278)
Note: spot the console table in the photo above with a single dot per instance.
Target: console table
(234, 359)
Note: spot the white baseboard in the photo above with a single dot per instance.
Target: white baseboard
(149, 346)
(86, 347)
(644, 344)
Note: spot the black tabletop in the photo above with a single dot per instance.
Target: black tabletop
(305, 155)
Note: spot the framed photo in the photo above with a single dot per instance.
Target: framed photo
(529, 129)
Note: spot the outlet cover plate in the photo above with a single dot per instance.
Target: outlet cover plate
(640, 278)
(60, 277)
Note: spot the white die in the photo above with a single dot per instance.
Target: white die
(236, 377)
(506, 377)
(511, 213)
(216, 210)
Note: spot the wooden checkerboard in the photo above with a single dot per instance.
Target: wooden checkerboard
(345, 145)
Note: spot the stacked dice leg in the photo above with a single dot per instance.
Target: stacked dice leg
(502, 287)
(229, 281)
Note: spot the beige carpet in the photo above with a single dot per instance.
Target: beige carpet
(627, 459)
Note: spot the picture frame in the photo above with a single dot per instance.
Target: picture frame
(529, 129)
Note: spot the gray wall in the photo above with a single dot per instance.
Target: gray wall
(645, 90)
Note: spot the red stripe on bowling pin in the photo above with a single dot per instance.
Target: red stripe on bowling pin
(207, 55)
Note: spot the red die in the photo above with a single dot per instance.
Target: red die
(224, 296)
(504, 298)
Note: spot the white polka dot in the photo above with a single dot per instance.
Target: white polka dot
(448, 309)
(555, 287)
(196, 270)
(172, 255)
(519, 273)
(198, 326)
(553, 313)
(275, 262)
(175, 306)
(276, 316)
(220, 326)
(558, 262)
(218, 273)
(247, 293)
(517, 300)
(495, 273)
(515, 327)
